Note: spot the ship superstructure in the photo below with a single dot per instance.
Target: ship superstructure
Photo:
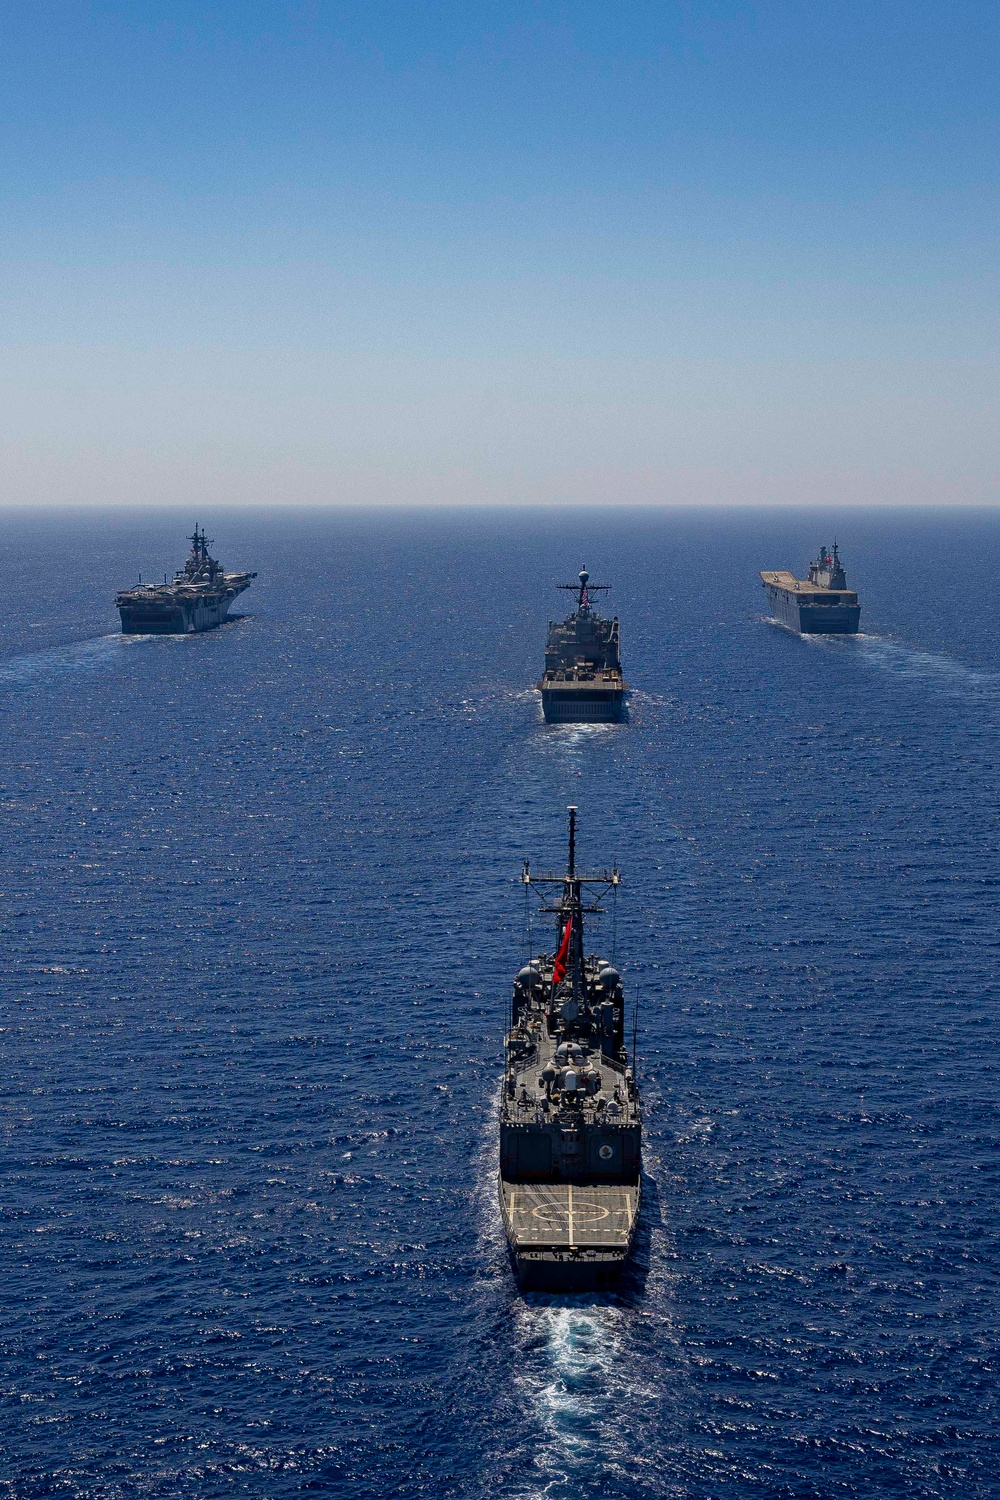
(198, 598)
(821, 604)
(582, 681)
(570, 1116)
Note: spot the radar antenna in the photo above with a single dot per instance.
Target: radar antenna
(584, 589)
(200, 543)
(568, 908)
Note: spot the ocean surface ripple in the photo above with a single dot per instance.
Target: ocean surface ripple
(260, 910)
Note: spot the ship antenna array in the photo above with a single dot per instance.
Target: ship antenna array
(610, 879)
(584, 589)
(635, 1024)
(571, 881)
(200, 542)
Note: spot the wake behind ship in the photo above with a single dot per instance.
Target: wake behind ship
(583, 682)
(822, 604)
(198, 598)
(570, 1116)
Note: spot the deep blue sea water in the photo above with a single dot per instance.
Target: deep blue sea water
(259, 905)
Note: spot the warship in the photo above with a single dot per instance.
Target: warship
(570, 1116)
(821, 604)
(583, 669)
(198, 598)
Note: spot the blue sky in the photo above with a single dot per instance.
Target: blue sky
(417, 253)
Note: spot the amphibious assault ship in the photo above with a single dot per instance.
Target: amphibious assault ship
(198, 598)
(822, 604)
(583, 669)
(570, 1118)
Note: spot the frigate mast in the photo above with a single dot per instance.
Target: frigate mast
(570, 910)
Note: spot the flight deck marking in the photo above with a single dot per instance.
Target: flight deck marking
(570, 1205)
(585, 1213)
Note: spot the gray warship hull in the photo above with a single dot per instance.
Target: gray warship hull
(582, 682)
(570, 1116)
(197, 599)
(821, 604)
(809, 618)
(582, 702)
(165, 611)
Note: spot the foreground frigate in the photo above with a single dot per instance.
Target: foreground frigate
(821, 604)
(570, 1116)
(198, 598)
(582, 681)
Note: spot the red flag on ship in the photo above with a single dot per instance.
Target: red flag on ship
(559, 968)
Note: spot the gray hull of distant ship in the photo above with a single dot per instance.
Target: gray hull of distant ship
(811, 619)
(183, 618)
(583, 706)
(175, 617)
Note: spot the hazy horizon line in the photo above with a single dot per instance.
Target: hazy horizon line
(472, 506)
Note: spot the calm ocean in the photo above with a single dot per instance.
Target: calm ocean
(259, 903)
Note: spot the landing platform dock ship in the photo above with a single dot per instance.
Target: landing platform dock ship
(822, 604)
(198, 598)
(583, 682)
(570, 1115)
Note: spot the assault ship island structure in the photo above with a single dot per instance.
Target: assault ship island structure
(570, 1116)
(198, 599)
(583, 669)
(822, 604)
